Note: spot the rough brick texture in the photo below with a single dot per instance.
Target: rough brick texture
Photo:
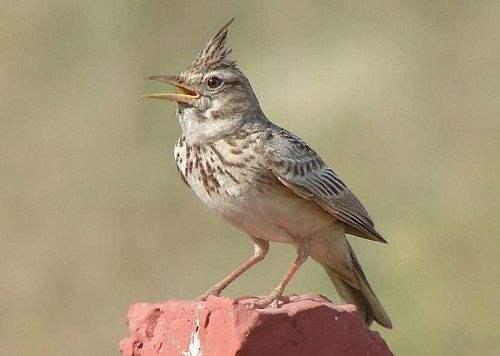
(307, 325)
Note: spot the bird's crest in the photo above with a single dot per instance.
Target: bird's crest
(213, 55)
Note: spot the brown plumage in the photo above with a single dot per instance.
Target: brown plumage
(266, 181)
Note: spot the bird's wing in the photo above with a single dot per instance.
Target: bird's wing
(300, 169)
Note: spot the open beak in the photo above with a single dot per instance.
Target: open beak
(184, 94)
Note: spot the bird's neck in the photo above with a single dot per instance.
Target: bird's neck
(200, 130)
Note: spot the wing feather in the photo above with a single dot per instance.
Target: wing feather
(300, 169)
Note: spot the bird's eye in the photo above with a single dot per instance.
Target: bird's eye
(214, 82)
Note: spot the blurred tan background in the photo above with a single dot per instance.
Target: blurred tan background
(401, 97)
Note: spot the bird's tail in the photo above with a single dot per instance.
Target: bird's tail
(355, 289)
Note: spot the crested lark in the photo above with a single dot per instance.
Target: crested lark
(264, 180)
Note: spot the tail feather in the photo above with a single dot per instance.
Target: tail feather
(351, 295)
(357, 291)
(364, 299)
(378, 310)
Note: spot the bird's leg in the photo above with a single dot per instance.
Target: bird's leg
(302, 255)
(261, 247)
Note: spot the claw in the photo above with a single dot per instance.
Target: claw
(263, 303)
(211, 291)
(273, 301)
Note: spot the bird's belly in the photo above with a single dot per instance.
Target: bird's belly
(251, 200)
(275, 214)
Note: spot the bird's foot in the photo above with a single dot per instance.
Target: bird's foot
(273, 300)
(212, 291)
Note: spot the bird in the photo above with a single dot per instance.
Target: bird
(264, 180)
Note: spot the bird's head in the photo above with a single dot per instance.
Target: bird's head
(214, 97)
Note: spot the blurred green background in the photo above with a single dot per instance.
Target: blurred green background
(400, 97)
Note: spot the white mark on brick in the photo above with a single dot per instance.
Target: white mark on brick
(194, 347)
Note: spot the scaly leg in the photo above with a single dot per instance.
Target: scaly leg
(261, 247)
(302, 254)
